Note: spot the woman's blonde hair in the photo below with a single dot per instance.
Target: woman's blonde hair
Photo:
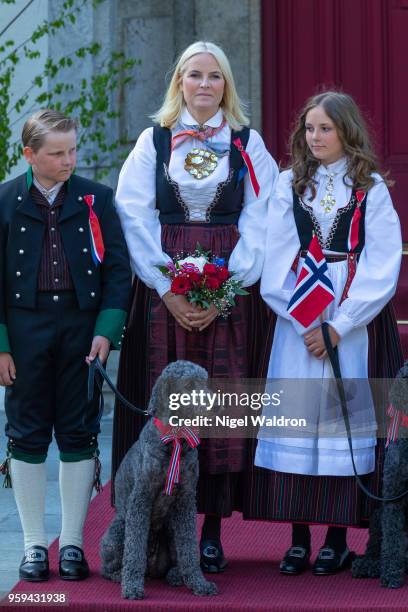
(231, 105)
(353, 134)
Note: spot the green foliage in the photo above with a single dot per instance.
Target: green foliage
(94, 103)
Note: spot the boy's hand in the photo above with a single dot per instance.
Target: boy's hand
(7, 370)
(100, 348)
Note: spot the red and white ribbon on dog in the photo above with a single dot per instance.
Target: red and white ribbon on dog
(398, 418)
(174, 434)
(247, 160)
(97, 246)
(352, 241)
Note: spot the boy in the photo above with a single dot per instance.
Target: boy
(64, 290)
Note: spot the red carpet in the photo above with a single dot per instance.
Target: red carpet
(251, 581)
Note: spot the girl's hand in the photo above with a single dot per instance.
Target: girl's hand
(180, 308)
(314, 341)
(7, 370)
(204, 317)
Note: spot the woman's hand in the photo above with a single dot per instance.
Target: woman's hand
(203, 317)
(314, 341)
(180, 308)
(7, 370)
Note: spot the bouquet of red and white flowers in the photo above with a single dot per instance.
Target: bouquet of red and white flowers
(204, 280)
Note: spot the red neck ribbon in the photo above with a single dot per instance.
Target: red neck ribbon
(202, 135)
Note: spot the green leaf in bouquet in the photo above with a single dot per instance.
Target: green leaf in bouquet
(241, 291)
(198, 301)
(201, 252)
(163, 270)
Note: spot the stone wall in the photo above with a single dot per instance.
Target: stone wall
(156, 33)
(19, 31)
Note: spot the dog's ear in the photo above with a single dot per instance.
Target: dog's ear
(155, 397)
(164, 386)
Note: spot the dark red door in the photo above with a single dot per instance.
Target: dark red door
(360, 46)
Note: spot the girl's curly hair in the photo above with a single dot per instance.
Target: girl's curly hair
(353, 133)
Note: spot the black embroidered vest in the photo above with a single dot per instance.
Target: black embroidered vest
(227, 204)
(306, 223)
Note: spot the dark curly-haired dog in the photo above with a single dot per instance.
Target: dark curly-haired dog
(385, 555)
(154, 534)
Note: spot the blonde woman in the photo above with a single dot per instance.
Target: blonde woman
(165, 209)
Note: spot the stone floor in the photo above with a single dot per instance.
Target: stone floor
(11, 538)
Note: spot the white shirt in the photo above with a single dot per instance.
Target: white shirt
(136, 202)
(377, 273)
(49, 194)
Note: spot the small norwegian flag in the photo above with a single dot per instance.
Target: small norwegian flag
(314, 290)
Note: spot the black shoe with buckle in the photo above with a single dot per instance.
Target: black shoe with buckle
(212, 558)
(295, 561)
(72, 563)
(34, 566)
(330, 561)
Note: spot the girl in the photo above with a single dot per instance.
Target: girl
(332, 190)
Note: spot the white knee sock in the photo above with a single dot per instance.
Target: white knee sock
(29, 483)
(76, 480)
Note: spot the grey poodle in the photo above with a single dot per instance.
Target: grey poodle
(154, 534)
(385, 555)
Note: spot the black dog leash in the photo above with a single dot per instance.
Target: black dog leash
(333, 355)
(96, 366)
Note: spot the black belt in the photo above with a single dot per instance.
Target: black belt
(334, 258)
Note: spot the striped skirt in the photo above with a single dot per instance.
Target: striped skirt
(331, 500)
(237, 347)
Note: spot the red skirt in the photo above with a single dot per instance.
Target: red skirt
(236, 347)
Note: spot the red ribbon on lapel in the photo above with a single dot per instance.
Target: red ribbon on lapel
(247, 160)
(173, 434)
(398, 418)
(352, 241)
(97, 246)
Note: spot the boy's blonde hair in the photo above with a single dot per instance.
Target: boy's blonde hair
(231, 105)
(42, 123)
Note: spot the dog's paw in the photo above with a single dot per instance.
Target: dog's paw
(132, 591)
(392, 582)
(204, 588)
(108, 553)
(108, 569)
(365, 567)
(174, 577)
(116, 576)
